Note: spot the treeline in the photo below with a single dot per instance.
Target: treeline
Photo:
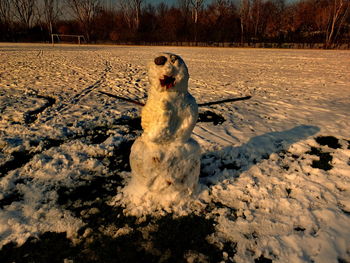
(217, 21)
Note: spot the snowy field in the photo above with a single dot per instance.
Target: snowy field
(275, 169)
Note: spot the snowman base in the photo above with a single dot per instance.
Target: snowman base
(163, 173)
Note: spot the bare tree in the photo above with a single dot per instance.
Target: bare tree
(137, 8)
(256, 13)
(131, 10)
(5, 11)
(5, 19)
(184, 8)
(184, 5)
(85, 12)
(24, 11)
(125, 7)
(51, 12)
(338, 11)
(196, 7)
(244, 11)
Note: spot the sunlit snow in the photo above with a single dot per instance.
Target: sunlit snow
(275, 174)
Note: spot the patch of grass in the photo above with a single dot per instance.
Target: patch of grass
(133, 123)
(12, 197)
(299, 229)
(289, 191)
(170, 242)
(324, 159)
(209, 116)
(188, 233)
(49, 247)
(119, 161)
(124, 249)
(231, 250)
(230, 166)
(97, 135)
(330, 141)
(341, 260)
(18, 160)
(262, 259)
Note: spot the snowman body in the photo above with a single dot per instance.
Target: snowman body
(165, 159)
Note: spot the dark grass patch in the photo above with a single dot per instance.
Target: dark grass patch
(171, 242)
(55, 247)
(124, 249)
(209, 116)
(119, 161)
(9, 199)
(180, 235)
(285, 167)
(18, 160)
(97, 135)
(345, 211)
(324, 159)
(230, 166)
(262, 259)
(232, 212)
(330, 141)
(231, 250)
(342, 208)
(133, 123)
(299, 229)
(341, 260)
(49, 247)
(99, 187)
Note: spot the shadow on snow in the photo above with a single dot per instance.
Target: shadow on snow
(258, 148)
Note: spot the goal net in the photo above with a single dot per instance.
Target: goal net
(62, 38)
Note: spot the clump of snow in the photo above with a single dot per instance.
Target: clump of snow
(267, 200)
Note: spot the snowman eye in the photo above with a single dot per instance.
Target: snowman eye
(173, 58)
(160, 60)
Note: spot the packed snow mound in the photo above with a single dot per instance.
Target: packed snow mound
(165, 161)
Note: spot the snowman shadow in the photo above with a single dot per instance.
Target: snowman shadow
(242, 158)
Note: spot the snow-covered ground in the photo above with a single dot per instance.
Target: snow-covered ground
(275, 169)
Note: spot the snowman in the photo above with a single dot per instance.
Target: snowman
(165, 160)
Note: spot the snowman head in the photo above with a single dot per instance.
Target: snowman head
(168, 73)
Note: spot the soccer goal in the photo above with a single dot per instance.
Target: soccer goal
(62, 38)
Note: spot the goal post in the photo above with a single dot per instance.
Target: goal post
(59, 37)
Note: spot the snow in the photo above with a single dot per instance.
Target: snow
(268, 180)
